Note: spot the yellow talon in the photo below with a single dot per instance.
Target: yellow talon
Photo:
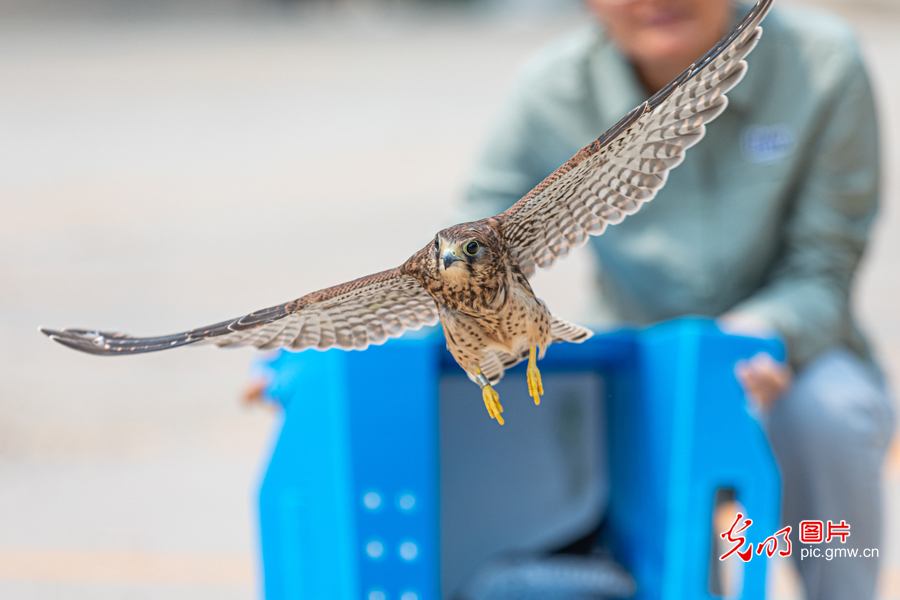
(492, 403)
(491, 398)
(535, 386)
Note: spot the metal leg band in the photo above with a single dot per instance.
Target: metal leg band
(481, 380)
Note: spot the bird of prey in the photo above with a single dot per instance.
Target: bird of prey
(473, 277)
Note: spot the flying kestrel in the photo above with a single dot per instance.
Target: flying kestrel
(473, 277)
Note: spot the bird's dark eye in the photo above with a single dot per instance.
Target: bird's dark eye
(471, 248)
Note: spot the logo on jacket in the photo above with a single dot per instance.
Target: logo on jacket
(767, 143)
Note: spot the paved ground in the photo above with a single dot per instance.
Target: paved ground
(160, 174)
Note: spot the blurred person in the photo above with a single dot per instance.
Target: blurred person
(762, 226)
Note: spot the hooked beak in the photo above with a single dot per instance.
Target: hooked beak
(449, 257)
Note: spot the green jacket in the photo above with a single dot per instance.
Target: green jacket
(768, 215)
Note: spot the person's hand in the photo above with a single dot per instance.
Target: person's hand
(763, 378)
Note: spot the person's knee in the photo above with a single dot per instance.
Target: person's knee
(836, 404)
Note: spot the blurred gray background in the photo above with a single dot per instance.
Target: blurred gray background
(166, 164)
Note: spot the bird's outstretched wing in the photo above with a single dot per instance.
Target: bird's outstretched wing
(614, 175)
(368, 310)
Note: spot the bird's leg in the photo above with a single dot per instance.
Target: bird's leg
(535, 386)
(490, 396)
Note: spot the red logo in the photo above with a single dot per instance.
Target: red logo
(747, 554)
(770, 545)
(841, 530)
(812, 532)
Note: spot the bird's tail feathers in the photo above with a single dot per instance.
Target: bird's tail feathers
(564, 331)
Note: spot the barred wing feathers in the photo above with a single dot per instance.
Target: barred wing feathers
(368, 310)
(613, 176)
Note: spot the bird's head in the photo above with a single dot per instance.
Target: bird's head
(468, 253)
